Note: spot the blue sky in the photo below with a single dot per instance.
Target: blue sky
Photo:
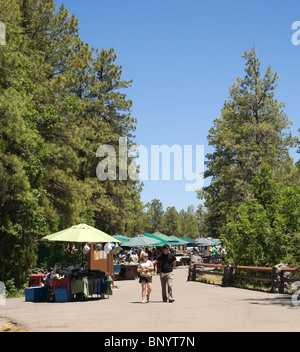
(183, 56)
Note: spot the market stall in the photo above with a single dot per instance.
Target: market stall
(66, 284)
(100, 257)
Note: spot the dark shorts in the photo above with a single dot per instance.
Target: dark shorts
(145, 279)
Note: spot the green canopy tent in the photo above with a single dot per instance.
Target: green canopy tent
(122, 238)
(177, 241)
(171, 240)
(204, 242)
(187, 239)
(215, 241)
(159, 236)
(141, 240)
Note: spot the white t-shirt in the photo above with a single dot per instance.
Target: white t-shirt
(147, 263)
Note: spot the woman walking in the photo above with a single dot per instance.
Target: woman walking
(145, 268)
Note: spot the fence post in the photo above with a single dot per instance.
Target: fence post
(192, 272)
(276, 279)
(193, 268)
(278, 284)
(229, 270)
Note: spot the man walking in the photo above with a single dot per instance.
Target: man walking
(167, 262)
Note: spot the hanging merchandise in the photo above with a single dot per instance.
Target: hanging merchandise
(98, 246)
(107, 247)
(116, 249)
(74, 250)
(86, 249)
(57, 266)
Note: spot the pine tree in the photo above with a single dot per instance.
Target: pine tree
(155, 214)
(172, 222)
(59, 101)
(189, 223)
(251, 131)
(22, 151)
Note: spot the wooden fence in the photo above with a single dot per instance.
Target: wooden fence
(277, 276)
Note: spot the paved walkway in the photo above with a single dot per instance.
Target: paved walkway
(198, 307)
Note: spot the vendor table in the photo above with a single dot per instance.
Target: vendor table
(80, 287)
(129, 271)
(183, 260)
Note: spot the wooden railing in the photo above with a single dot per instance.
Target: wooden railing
(209, 265)
(252, 277)
(293, 270)
(276, 278)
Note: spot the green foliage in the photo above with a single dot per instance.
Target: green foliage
(190, 222)
(11, 291)
(266, 229)
(155, 213)
(171, 222)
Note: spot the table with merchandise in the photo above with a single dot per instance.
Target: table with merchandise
(66, 285)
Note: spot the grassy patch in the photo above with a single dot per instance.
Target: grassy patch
(209, 279)
(238, 283)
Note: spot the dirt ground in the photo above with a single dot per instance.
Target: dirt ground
(8, 326)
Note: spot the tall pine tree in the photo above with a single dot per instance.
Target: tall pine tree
(250, 131)
(59, 101)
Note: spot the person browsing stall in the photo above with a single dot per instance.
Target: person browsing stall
(122, 256)
(133, 258)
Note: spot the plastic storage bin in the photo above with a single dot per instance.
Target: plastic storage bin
(61, 295)
(117, 268)
(36, 294)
